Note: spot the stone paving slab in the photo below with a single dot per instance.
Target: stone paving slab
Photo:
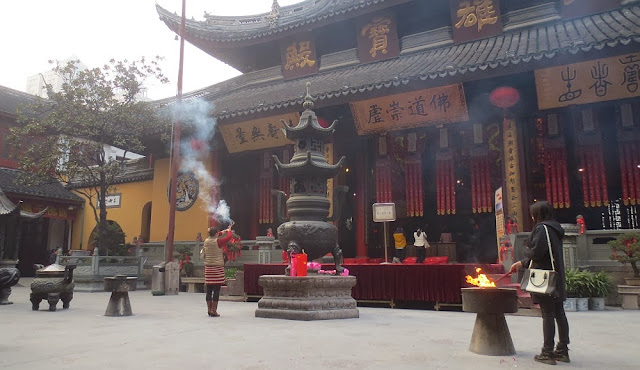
(174, 332)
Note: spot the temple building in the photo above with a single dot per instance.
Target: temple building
(443, 107)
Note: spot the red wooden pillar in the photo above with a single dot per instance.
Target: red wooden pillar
(253, 220)
(360, 215)
(215, 190)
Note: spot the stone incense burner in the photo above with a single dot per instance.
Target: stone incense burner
(53, 283)
(308, 205)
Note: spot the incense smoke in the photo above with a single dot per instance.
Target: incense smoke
(194, 152)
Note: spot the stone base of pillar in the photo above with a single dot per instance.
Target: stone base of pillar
(307, 298)
(629, 294)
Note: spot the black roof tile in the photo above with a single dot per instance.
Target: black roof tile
(54, 190)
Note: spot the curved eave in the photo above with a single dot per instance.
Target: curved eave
(219, 29)
(309, 127)
(514, 49)
(319, 169)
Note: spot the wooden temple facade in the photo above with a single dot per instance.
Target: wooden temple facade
(440, 104)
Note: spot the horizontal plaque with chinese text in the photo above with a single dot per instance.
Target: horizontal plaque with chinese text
(445, 104)
(475, 19)
(377, 38)
(588, 82)
(258, 134)
(299, 56)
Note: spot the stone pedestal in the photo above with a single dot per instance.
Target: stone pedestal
(491, 334)
(307, 297)
(119, 286)
(569, 245)
(629, 294)
(265, 246)
(172, 278)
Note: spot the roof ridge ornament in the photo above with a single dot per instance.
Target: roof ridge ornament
(308, 102)
(274, 15)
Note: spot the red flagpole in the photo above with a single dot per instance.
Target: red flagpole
(175, 151)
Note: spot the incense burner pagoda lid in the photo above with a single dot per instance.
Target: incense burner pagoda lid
(51, 270)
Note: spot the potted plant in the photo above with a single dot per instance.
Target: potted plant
(626, 249)
(582, 281)
(600, 287)
(572, 290)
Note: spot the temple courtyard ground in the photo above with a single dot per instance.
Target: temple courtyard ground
(174, 332)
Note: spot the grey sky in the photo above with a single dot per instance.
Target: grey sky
(35, 31)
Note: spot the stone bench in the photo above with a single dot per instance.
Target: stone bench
(194, 284)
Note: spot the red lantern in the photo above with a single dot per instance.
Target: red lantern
(323, 122)
(504, 97)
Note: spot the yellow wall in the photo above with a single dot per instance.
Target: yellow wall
(129, 216)
(188, 223)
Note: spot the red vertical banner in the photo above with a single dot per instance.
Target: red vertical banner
(626, 191)
(266, 183)
(407, 188)
(474, 180)
(565, 180)
(635, 170)
(438, 187)
(487, 185)
(585, 183)
(420, 191)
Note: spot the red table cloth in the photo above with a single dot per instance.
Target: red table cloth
(429, 283)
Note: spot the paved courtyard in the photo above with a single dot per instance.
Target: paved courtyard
(174, 332)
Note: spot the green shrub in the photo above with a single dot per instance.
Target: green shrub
(230, 272)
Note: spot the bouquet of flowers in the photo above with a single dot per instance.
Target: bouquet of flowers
(313, 266)
(233, 248)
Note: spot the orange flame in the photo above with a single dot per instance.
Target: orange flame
(482, 280)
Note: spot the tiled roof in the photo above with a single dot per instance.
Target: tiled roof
(54, 190)
(11, 99)
(232, 29)
(240, 96)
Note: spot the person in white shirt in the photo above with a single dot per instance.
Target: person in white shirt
(421, 243)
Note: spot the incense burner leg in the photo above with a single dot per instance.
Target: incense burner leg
(53, 299)
(491, 336)
(337, 259)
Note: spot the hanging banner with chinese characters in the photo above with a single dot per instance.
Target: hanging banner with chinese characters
(61, 211)
(475, 19)
(588, 82)
(377, 38)
(445, 104)
(512, 170)
(328, 154)
(258, 134)
(579, 8)
(299, 56)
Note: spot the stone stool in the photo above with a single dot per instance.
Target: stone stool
(119, 286)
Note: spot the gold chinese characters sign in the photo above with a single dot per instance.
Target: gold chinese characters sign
(588, 82)
(445, 104)
(512, 170)
(475, 19)
(299, 56)
(258, 134)
(377, 38)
